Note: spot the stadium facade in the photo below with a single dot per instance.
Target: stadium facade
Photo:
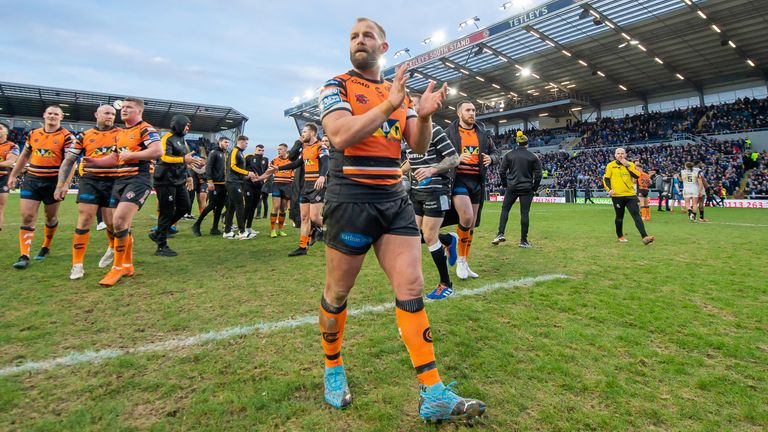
(22, 106)
(574, 60)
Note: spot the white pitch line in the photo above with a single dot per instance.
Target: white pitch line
(739, 224)
(76, 358)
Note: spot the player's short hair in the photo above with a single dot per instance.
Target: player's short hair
(378, 26)
(137, 101)
(462, 103)
(312, 127)
(283, 145)
(221, 139)
(242, 138)
(689, 165)
(260, 146)
(57, 106)
(5, 126)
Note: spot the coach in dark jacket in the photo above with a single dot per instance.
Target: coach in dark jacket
(217, 191)
(172, 182)
(520, 172)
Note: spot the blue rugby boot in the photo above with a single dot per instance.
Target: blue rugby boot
(336, 389)
(439, 402)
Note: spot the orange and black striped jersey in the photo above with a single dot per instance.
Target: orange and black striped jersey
(95, 143)
(7, 148)
(311, 155)
(644, 181)
(471, 146)
(47, 151)
(367, 171)
(282, 176)
(135, 138)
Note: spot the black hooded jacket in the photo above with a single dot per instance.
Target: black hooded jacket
(171, 169)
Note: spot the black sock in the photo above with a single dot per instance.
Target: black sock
(445, 239)
(438, 256)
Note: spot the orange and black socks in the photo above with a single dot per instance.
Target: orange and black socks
(303, 241)
(26, 234)
(469, 242)
(50, 231)
(414, 328)
(332, 321)
(111, 238)
(272, 220)
(281, 221)
(464, 240)
(121, 245)
(80, 245)
(128, 257)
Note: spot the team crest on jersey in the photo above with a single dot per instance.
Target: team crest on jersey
(361, 99)
(44, 153)
(390, 130)
(101, 151)
(308, 162)
(473, 150)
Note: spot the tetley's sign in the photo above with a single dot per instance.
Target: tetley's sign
(472, 39)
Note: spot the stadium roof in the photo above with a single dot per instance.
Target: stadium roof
(568, 54)
(23, 100)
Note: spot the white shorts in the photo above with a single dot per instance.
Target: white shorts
(691, 192)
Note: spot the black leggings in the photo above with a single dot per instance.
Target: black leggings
(525, 208)
(173, 202)
(252, 197)
(632, 204)
(263, 204)
(235, 206)
(217, 199)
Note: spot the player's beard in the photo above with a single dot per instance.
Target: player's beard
(363, 60)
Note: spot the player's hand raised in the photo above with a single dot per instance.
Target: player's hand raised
(432, 101)
(397, 92)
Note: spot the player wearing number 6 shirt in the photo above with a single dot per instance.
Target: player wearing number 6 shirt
(137, 145)
(44, 152)
(366, 118)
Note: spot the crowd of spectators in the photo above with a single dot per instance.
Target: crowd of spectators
(742, 114)
(757, 183)
(724, 163)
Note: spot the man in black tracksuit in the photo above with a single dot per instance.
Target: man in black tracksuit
(217, 192)
(520, 172)
(172, 182)
(235, 173)
(257, 163)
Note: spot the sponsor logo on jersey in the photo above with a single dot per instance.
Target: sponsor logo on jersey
(390, 130)
(361, 99)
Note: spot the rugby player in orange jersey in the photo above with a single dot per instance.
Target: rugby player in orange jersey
(366, 118)
(44, 152)
(95, 187)
(137, 145)
(9, 152)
